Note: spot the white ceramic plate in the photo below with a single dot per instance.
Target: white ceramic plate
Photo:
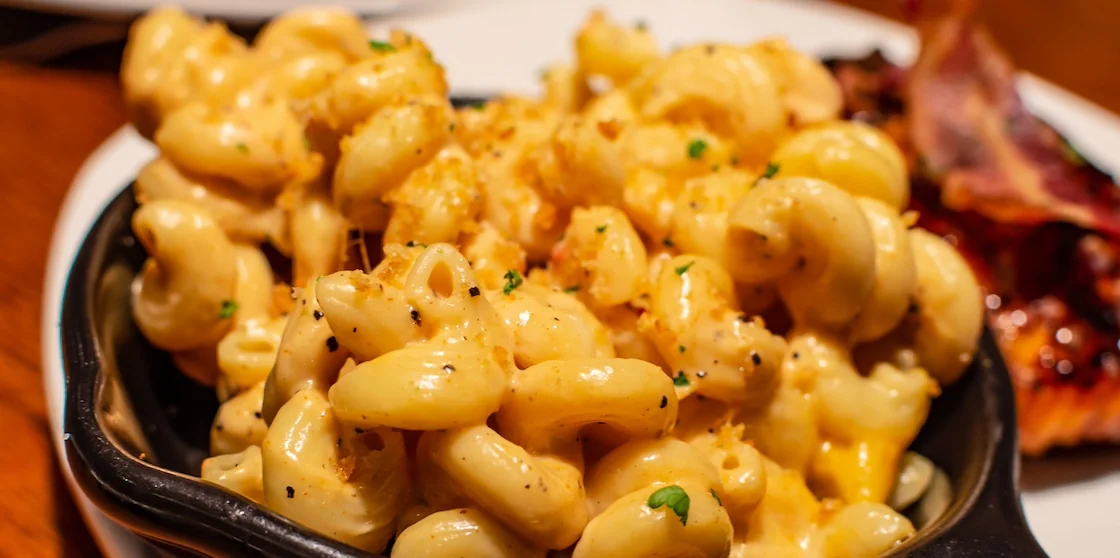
(500, 46)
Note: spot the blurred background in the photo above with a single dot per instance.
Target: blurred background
(60, 98)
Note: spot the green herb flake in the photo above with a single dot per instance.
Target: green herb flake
(600, 229)
(242, 148)
(680, 348)
(715, 168)
(382, 47)
(716, 496)
(681, 380)
(573, 289)
(771, 170)
(696, 148)
(667, 242)
(734, 160)
(478, 106)
(672, 497)
(451, 127)
(229, 308)
(684, 268)
(641, 25)
(513, 280)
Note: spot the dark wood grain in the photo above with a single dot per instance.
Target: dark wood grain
(52, 118)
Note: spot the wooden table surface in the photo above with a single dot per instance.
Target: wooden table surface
(52, 117)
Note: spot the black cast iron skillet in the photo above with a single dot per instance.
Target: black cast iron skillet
(136, 429)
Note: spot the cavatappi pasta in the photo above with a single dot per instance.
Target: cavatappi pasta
(669, 308)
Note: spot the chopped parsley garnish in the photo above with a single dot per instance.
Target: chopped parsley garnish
(513, 280)
(771, 170)
(681, 380)
(572, 289)
(451, 127)
(641, 25)
(229, 308)
(684, 268)
(734, 160)
(696, 148)
(672, 497)
(715, 168)
(382, 47)
(680, 348)
(716, 496)
(667, 242)
(478, 106)
(600, 229)
(242, 148)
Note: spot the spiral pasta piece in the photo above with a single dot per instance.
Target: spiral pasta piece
(865, 422)
(856, 157)
(181, 296)
(382, 80)
(732, 92)
(700, 214)
(455, 376)
(950, 311)
(307, 359)
(539, 497)
(601, 258)
(313, 30)
(428, 386)
(318, 232)
(713, 350)
(809, 92)
(813, 239)
(247, 354)
(550, 403)
(171, 58)
(461, 532)
(492, 256)
(238, 424)
(238, 472)
(244, 216)
(437, 203)
(642, 463)
(895, 273)
(382, 152)
(742, 472)
(545, 324)
(259, 146)
(347, 487)
(618, 53)
(623, 488)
